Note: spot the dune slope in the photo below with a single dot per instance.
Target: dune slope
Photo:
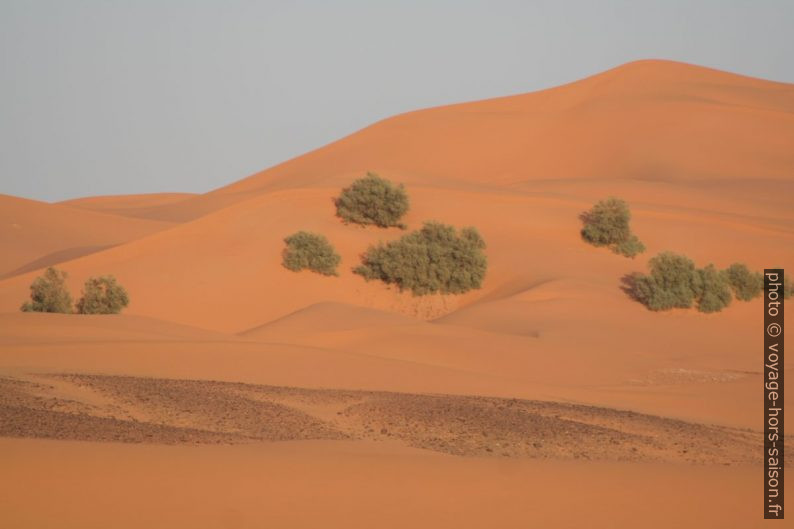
(137, 206)
(656, 121)
(35, 234)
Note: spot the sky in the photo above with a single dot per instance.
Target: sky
(113, 97)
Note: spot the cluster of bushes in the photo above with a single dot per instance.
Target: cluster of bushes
(101, 295)
(436, 258)
(607, 224)
(675, 282)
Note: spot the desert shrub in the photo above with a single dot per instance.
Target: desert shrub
(675, 282)
(48, 293)
(630, 247)
(434, 259)
(712, 289)
(746, 285)
(672, 283)
(373, 200)
(312, 251)
(607, 224)
(102, 295)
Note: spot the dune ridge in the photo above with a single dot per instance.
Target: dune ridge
(650, 120)
(34, 235)
(143, 206)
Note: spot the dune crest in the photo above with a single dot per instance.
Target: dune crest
(34, 235)
(651, 120)
(145, 206)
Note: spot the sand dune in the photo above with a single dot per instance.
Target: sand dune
(704, 159)
(39, 328)
(719, 141)
(138, 206)
(327, 316)
(232, 259)
(652, 121)
(35, 235)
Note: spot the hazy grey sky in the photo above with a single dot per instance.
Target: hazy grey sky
(111, 96)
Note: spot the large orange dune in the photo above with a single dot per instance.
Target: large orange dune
(647, 121)
(705, 160)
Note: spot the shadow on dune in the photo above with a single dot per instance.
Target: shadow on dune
(628, 284)
(55, 258)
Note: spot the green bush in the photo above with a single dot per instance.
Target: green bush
(746, 285)
(102, 295)
(674, 282)
(607, 224)
(434, 259)
(712, 289)
(312, 251)
(48, 293)
(631, 247)
(787, 287)
(373, 200)
(671, 284)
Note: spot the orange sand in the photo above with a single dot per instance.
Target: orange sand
(140, 206)
(34, 235)
(339, 484)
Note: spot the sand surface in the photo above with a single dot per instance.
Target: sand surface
(34, 235)
(235, 393)
(355, 484)
(136, 206)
